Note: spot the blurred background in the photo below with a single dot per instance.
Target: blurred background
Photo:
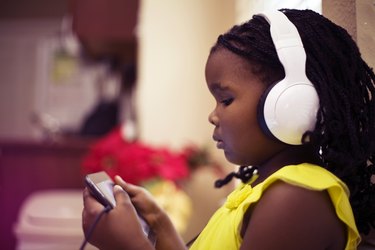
(85, 82)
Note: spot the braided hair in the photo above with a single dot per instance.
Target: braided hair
(344, 135)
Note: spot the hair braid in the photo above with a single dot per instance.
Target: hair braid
(344, 135)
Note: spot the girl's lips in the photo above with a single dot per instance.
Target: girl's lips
(220, 144)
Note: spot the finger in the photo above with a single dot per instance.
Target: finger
(132, 190)
(86, 192)
(120, 195)
(90, 209)
(120, 181)
(90, 204)
(86, 222)
(86, 197)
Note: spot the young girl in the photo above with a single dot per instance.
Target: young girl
(308, 190)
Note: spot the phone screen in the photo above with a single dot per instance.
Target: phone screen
(101, 187)
(106, 187)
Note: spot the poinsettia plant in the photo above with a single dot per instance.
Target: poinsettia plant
(137, 162)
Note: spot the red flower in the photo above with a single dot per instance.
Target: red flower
(133, 161)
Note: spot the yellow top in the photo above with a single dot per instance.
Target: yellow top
(223, 229)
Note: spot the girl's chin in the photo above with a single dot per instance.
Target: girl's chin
(232, 159)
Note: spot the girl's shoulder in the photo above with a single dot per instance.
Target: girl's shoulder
(307, 175)
(297, 218)
(305, 201)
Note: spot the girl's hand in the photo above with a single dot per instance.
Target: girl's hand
(142, 201)
(167, 237)
(117, 229)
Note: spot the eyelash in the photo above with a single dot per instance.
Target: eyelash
(227, 102)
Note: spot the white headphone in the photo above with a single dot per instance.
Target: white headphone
(288, 108)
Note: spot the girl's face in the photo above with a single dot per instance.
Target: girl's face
(237, 91)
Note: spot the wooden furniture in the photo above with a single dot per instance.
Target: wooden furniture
(28, 166)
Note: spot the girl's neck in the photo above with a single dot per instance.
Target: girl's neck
(290, 155)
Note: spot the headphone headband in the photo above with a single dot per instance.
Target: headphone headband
(288, 44)
(284, 34)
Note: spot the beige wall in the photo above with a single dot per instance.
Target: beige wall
(358, 18)
(342, 13)
(174, 40)
(246, 8)
(366, 30)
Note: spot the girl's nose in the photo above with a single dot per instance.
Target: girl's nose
(213, 119)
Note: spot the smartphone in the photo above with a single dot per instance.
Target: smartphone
(101, 185)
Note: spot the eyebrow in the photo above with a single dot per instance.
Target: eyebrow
(214, 87)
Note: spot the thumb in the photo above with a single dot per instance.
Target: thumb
(120, 195)
(131, 190)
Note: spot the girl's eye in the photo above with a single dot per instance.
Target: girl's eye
(227, 101)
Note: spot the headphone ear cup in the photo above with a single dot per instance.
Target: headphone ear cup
(287, 110)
